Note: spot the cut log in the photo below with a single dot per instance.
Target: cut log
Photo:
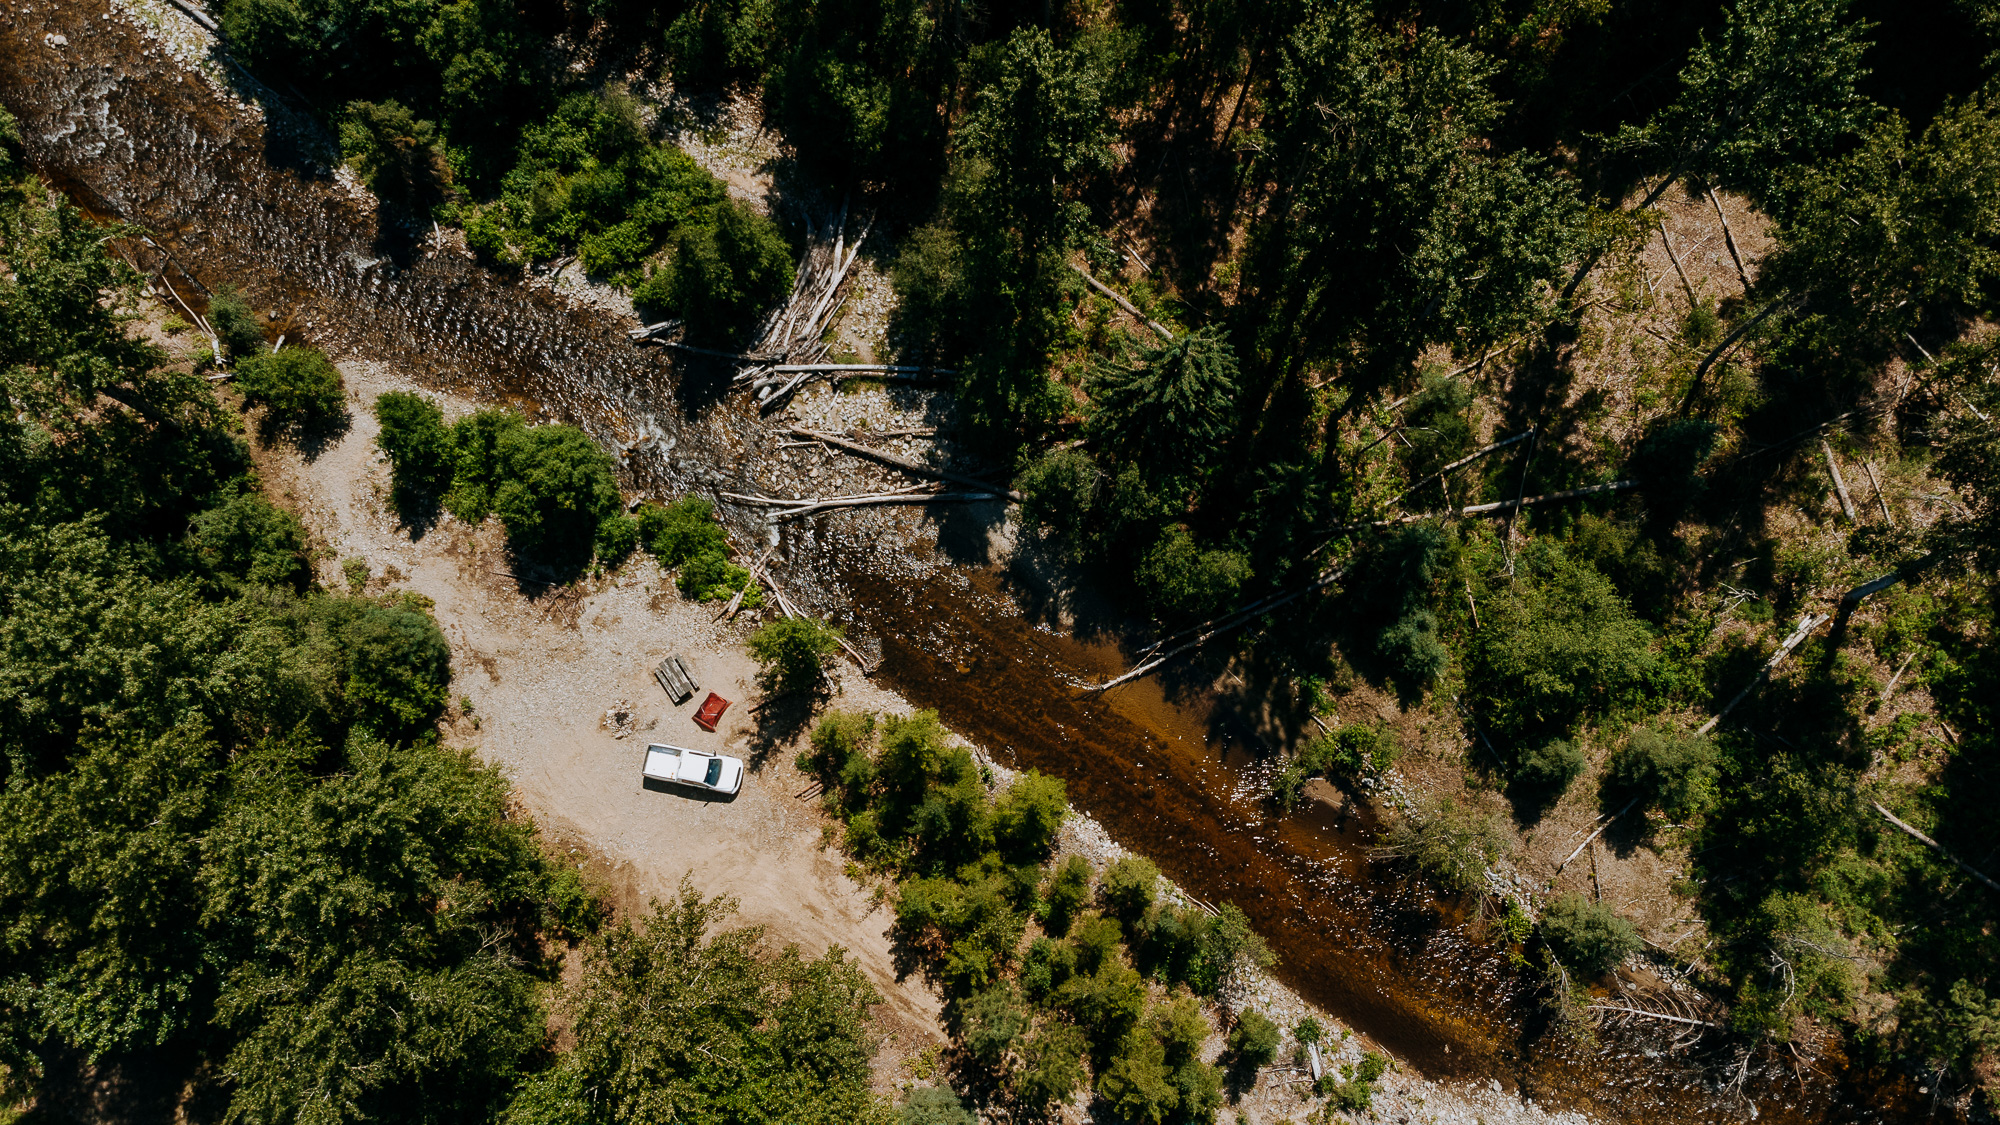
(1656, 1016)
(1890, 687)
(1934, 845)
(736, 602)
(1694, 302)
(907, 466)
(1729, 341)
(1223, 625)
(1122, 303)
(1548, 498)
(1806, 625)
(1464, 461)
(868, 501)
(1881, 501)
(891, 367)
(1729, 240)
(1588, 840)
(1839, 483)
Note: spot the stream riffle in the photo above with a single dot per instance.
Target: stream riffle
(231, 190)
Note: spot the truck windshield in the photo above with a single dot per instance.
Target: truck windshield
(714, 772)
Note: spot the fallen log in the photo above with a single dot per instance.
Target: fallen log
(1880, 500)
(907, 466)
(1716, 353)
(889, 367)
(1545, 498)
(1587, 840)
(1839, 483)
(1729, 240)
(1693, 301)
(1655, 1016)
(1806, 625)
(1223, 625)
(1939, 848)
(736, 602)
(1464, 461)
(867, 501)
(1122, 303)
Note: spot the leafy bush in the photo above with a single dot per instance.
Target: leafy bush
(1255, 1038)
(1556, 649)
(555, 488)
(682, 530)
(1054, 1066)
(1068, 893)
(477, 470)
(419, 447)
(711, 577)
(1058, 492)
(1180, 580)
(616, 537)
(1547, 770)
(1192, 947)
(248, 541)
(1354, 1090)
(400, 157)
(1411, 650)
(792, 654)
(726, 273)
(1588, 937)
(1028, 814)
(1129, 884)
(1138, 1085)
(299, 388)
(236, 324)
(1669, 770)
(992, 1022)
(1448, 844)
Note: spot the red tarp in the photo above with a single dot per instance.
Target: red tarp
(711, 711)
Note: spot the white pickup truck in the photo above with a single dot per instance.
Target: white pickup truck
(697, 769)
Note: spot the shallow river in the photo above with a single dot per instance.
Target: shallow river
(232, 193)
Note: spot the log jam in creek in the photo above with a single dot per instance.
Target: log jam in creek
(244, 190)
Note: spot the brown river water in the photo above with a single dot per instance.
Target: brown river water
(233, 193)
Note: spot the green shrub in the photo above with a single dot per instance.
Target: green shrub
(1448, 844)
(1180, 1027)
(1048, 965)
(1354, 1090)
(1129, 886)
(250, 542)
(1058, 493)
(992, 1023)
(710, 576)
(1192, 947)
(1556, 649)
(476, 469)
(299, 388)
(236, 324)
(1411, 650)
(682, 530)
(1028, 814)
(1137, 1085)
(1068, 893)
(1587, 937)
(1549, 769)
(1182, 581)
(400, 157)
(616, 537)
(1669, 770)
(1054, 1070)
(934, 1105)
(414, 438)
(1308, 1031)
(1255, 1038)
(792, 654)
(555, 488)
(726, 273)
(838, 756)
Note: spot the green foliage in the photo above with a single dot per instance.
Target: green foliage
(1166, 406)
(1183, 581)
(1138, 1085)
(236, 324)
(420, 451)
(1054, 1066)
(1308, 1031)
(1449, 844)
(1353, 1091)
(248, 542)
(683, 530)
(792, 654)
(1777, 86)
(1068, 892)
(725, 274)
(1969, 458)
(1192, 947)
(616, 538)
(1028, 814)
(712, 577)
(1589, 937)
(1559, 647)
(477, 470)
(1129, 886)
(677, 1019)
(712, 43)
(399, 157)
(1547, 770)
(1255, 1038)
(554, 488)
(299, 388)
(1669, 770)
(840, 757)
(991, 1023)
(858, 88)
